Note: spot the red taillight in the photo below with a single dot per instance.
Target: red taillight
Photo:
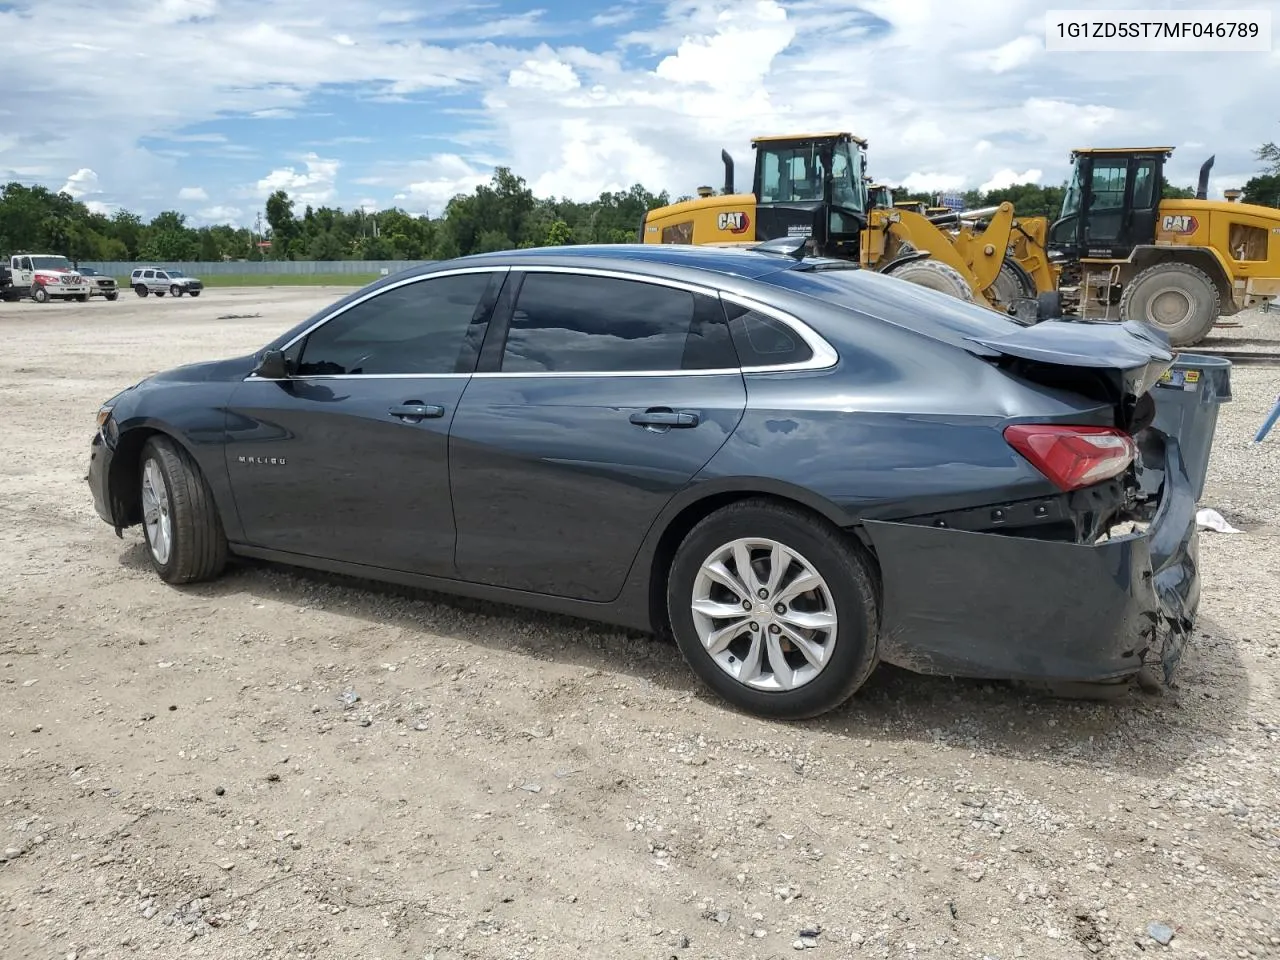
(1073, 457)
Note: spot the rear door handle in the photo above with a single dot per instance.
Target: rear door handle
(414, 412)
(662, 417)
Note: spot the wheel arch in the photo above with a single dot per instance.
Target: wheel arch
(1207, 259)
(126, 469)
(686, 512)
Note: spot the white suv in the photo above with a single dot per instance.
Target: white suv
(146, 280)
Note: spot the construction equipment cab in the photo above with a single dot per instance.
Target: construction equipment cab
(1124, 252)
(809, 185)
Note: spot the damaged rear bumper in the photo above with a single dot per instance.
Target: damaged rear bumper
(994, 606)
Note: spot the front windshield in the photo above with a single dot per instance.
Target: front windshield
(50, 263)
(1071, 202)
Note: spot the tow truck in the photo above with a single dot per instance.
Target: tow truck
(42, 277)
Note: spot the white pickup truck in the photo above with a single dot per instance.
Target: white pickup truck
(44, 276)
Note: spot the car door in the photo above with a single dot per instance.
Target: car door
(346, 458)
(159, 281)
(23, 274)
(598, 398)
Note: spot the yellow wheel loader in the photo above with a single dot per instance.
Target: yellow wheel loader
(815, 186)
(1120, 251)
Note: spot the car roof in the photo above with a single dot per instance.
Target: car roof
(735, 261)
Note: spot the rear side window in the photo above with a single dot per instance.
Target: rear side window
(418, 328)
(764, 341)
(573, 323)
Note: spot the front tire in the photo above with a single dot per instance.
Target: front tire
(1174, 297)
(40, 295)
(185, 540)
(774, 609)
(175, 291)
(112, 296)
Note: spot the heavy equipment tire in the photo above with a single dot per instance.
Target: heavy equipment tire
(180, 521)
(935, 275)
(1013, 283)
(839, 602)
(1174, 297)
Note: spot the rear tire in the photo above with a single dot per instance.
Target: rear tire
(185, 540)
(1177, 298)
(935, 275)
(765, 671)
(140, 289)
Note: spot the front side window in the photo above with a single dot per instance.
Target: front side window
(567, 323)
(418, 328)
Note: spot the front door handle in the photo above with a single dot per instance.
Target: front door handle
(664, 417)
(413, 411)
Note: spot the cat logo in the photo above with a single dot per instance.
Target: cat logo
(736, 222)
(1182, 223)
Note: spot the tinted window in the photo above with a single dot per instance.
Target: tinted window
(1108, 184)
(1143, 184)
(418, 328)
(583, 324)
(762, 340)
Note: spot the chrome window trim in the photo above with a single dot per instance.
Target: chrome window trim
(824, 355)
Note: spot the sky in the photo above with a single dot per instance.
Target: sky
(207, 106)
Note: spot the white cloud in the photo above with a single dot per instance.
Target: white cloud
(950, 93)
(192, 193)
(82, 183)
(553, 76)
(1008, 177)
(210, 216)
(315, 185)
(449, 175)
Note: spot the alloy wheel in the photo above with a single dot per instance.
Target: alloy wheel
(155, 512)
(764, 614)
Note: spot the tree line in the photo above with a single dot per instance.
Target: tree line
(498, 215)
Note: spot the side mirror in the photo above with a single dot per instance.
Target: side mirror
(272, 366)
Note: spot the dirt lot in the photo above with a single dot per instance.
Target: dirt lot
(181, 778)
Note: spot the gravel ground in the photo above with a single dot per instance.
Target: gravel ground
(182, 775)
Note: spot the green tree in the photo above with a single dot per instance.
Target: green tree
(1263, 190)
(284, 227)
(559, 234)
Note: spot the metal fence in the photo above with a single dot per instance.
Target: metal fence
(122, 268)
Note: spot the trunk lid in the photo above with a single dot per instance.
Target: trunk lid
(1117, 363)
